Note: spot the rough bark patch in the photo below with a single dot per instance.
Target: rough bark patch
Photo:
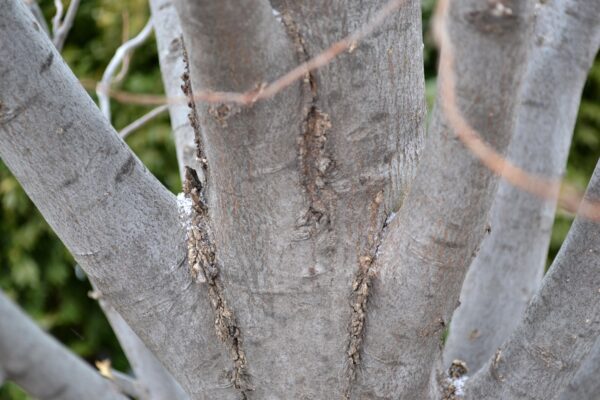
(361, 289)
(202, 251)
(193, 114)
(204, 269)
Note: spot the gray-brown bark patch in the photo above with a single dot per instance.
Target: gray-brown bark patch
(204, 268)
(361, 290)
(193, 114)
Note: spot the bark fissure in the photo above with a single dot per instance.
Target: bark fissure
(204, 268)
(361, 290)
(315, 161)
(201, 254)
(193, 113)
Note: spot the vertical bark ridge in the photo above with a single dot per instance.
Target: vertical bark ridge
(204, 268)
(361, 290)
(202, 250)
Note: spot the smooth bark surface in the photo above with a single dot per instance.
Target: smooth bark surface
(428, 246)
(122, 226)
(509, 267)
(42, 366)
(297, 193)
(560, 326)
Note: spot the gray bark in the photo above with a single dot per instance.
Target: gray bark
(560, 326)
(121, 225)
(299, 186)
(167, 29)
(152, 380)
(42, 366)
(585, 385)
(509, 268)
(428, 246)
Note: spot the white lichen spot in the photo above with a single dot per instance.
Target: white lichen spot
(184, 206)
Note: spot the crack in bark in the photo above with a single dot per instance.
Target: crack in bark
(202, 252)
(316, 165)
(193, 114)
(361, 291)
(204, 268)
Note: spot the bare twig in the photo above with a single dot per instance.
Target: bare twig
(265, 90)
(143, 120)
(61, 28)
(124, 38)
(103, 87)
(58, 16)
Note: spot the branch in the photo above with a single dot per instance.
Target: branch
(585, 385)
(103, 87)
(41, 365)
(427, 247)
(120, 223)
(509, 267)
(143, 120)
(561, 323)
(170, 54)
(151, 377)
(61, 27)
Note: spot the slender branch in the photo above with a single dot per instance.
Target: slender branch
(561, 324)
(56, 20)
(103, 86)
(170, 55)
(127, 59)
(42, 366)
(509, 267)
(143, 120)
(151, 378)
(122, 226)
(61, 27)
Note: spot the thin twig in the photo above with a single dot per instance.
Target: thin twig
(124, 38)
(58, 16)
(143, 120)
(264, 90)
(103, 87)
(61, 29)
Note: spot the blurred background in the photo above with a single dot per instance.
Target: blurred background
(39, 273)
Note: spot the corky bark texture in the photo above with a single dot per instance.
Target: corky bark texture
(292, 214)
(509, 267)
(120, 223)
(560, 325)
(42, 366)
(425, 253)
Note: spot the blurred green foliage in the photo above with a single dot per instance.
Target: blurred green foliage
(38, 272)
